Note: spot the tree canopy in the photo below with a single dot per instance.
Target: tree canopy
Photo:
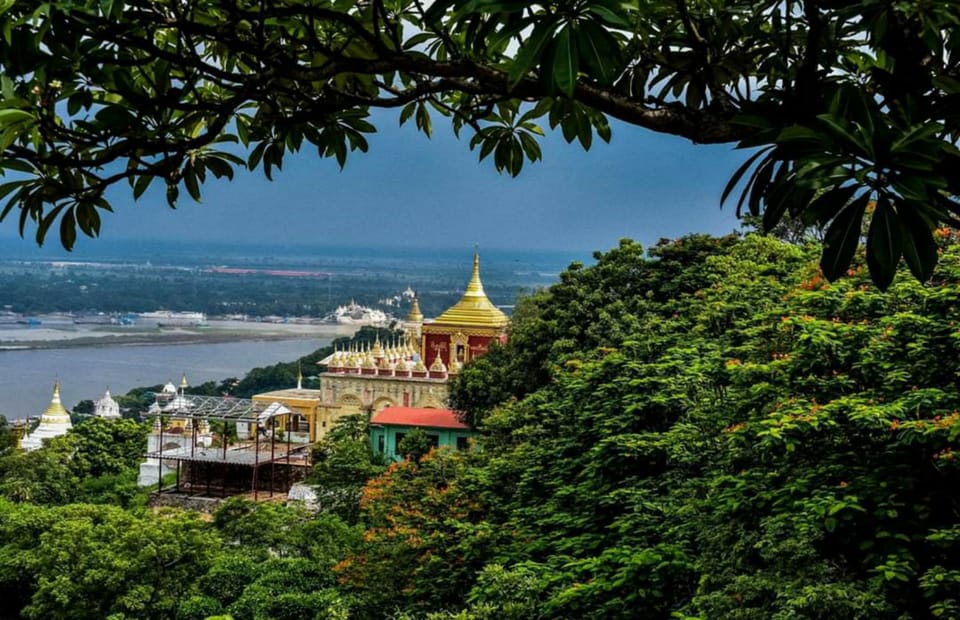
(845, 105)
(709, 431)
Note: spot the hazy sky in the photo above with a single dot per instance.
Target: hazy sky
(410, 191)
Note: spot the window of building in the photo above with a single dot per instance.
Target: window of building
(434, 440)
(380, 443)
(396, 445)
(462, 443)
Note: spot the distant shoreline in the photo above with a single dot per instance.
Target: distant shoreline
(234, 331)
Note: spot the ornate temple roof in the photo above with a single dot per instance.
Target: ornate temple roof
(474, 309)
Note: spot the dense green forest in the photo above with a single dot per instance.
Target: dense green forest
(705, 430)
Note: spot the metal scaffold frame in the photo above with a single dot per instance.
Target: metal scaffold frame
(258, 417)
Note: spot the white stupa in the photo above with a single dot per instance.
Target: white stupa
(106, 407)
(54, 422)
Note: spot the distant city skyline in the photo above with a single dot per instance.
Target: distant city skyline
(414, 192)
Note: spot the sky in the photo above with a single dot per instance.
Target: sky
(413, 192)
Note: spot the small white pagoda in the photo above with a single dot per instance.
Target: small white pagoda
(107, 407)
(54, 422)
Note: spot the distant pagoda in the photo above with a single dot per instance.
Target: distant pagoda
(54, 422)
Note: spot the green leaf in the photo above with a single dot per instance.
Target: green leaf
(611, 13)
(842, 238)
(565, 62)
(884, 244)
(826, 206)
(68, 230)
(141, 185)
(531, 51)
(735, 179)
(599, 52)
(838, 127)
(10, 116)
(495, 6)
(919, 246)
(191, 183)
(436, 10)
(115, 117)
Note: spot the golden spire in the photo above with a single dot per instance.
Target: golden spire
(475, 286)
(415, 316)
(55, 412)
(183, 382)
(438, 365)
(474, 308)
(368, 360)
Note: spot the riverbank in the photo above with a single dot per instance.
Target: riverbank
(82, 336)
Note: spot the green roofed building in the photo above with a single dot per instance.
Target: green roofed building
(389, 426)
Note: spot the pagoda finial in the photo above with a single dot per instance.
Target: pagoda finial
(475, 286)
(438, 365)
(183, 382)
(299, 376)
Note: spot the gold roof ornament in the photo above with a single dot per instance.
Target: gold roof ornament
(183, 382)
(377, 348)
(474, 309)
(419, 366)
(19, 430)
(415, 316)
(438, 365)
(299, 376)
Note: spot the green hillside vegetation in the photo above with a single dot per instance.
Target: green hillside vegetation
(708, 430)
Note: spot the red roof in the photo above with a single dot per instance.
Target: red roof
(415, 416)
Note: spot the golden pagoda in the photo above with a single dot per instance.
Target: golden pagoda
(54, 421)
(474, 309)
(464, 331)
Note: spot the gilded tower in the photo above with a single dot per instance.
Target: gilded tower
(466, 329)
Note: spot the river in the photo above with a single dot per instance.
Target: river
(27, 376)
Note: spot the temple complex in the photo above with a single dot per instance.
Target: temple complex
(215, 447)
(55, 421)
(411, 371)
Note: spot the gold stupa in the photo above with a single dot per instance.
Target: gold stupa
(474, 309)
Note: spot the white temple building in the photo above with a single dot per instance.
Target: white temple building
(106, 407)
(54, 422)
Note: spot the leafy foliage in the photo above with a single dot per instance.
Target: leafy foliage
(843, 104)
(708, 430)
(343, 464)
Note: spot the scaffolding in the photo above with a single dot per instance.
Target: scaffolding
(204, 469)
